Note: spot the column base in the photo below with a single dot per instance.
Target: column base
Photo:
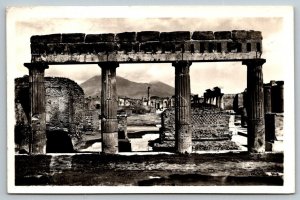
(110, 143)
(184, 139)
(38, 138)
(256, 140)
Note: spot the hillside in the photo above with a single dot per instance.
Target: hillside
(128, 88)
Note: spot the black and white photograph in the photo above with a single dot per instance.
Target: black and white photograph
(150, 99)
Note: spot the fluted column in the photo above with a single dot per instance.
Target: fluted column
(183, 134)
(38, 138)
(221, 101)
(267, 98)
(280, 92)
(255, 94)
(109, 106)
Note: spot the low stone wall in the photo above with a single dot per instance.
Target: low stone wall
(117, 170)
(207, 122)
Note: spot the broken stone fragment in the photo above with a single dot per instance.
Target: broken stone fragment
(52, 38)
(239, 34)
(219, 35)
(126, 37)
(256, 35)
(145, 36)
(175, 36)
(73, 37)
(108, 37)
(151, 47)
(125, 46)
(203, 35)
(105, 47)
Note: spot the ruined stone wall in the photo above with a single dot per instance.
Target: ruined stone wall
(64, 106)
(208, 123)
(147, 46)
(92, 112)
(228, 100)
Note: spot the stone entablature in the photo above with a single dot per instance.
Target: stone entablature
(146, 46)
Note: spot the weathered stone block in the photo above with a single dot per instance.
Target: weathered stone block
(168, 47)
(220, 35)
(255, 35)
(179, 46)
(80, 48)
(52, 38)
(203, 35)
(175, 36)
(73, 37)
(239, 34)
(192, 46)
(145, 36)
(126, 37)
(55, 48)
(104, 47)
(234, 47)
(38, 48)
(90, 38)
(125, 46)
(151, 47)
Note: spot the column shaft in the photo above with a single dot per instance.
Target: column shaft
(280, 89)
(38, 138)
(267, 98)
(183, 133)
(109, 106)
(255, 94)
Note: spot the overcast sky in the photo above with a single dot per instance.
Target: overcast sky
(231, 77)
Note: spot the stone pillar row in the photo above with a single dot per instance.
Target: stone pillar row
(214, 98)
(109, 105)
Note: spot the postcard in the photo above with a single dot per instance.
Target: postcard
(150, 99)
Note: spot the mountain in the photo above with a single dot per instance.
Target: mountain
(92, 87)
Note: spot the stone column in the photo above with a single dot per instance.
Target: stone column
(183, 133)
(217, 101)
(267, 98)
(280, 96)
(38, 138)
(109, 106)
(221, 101)
(255, 94)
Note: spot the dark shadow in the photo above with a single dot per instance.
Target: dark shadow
(124, 145)
(58, 141)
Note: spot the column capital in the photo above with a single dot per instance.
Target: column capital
(108, 64)
(280, 83)
(267, 85)
(181, 63)
(254, 62)
(41, 66)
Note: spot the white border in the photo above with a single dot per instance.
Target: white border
(15, 14)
